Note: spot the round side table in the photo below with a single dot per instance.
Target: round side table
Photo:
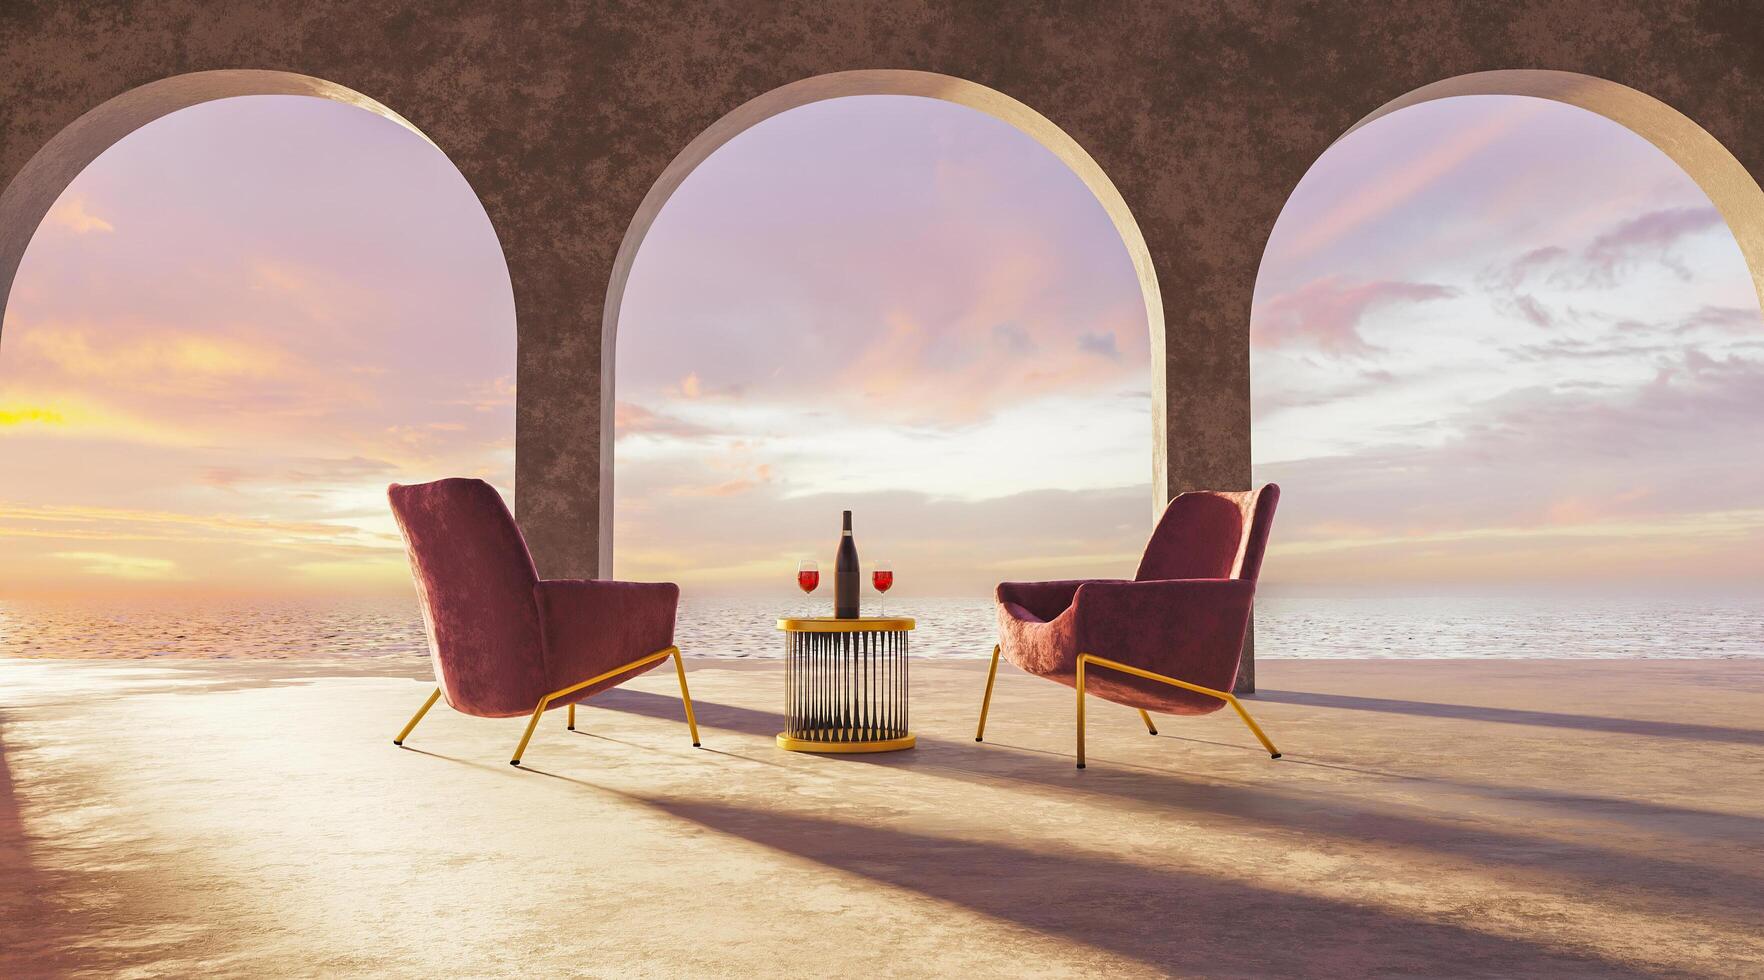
(845, 684)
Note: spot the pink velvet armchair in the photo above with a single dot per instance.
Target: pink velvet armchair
(1169, 640)
(505, 642)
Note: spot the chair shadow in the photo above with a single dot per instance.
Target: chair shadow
(1642, 813)
(696, 749)
(1721, 892)
(710, 714)
(1175, 921)
(475, 764)
(1517, 716)
(1692, 822)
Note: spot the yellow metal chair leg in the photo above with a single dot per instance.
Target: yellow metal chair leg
(1086, 658)
(986, 700)
(1148, 722)
(686, 697)
(531, 724)
(545, 702)
(572, 716)
(1080, 686)
(417, 717)
(1273, 753)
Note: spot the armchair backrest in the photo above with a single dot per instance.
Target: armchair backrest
(474, 580)
(1211, 534)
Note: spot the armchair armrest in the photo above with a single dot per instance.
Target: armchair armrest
(1191, 629)
(592, 626)
(1161, 598)
(1045, 600)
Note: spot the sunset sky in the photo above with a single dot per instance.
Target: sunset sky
(232, 331)
(1495, 340)
(1499, 341)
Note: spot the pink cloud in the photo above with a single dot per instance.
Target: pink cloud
(1651, 235)
(71, 213)
(1325, 314)
(1725, 319)
(1396, 186)
(1536, 460)
(631, 419)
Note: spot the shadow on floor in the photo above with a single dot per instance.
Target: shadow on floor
(187, 677)
(709, 713)
(26, 894)
(1637, 873)
(1514, 716)
(1643, 814)
(1174, 920)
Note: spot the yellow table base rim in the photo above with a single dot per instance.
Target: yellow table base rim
(828, 624)
(845, 748)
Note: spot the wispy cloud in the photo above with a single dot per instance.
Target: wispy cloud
(73, 213)
(494, 395)
(1722, 319)
(1649, 237)
(168, 357)
(1391, 188)
(1326, 314)
(631, 419)
(1100, 344)
(111, 565)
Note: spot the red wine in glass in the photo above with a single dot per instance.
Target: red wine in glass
(882, 576)
(808, 576)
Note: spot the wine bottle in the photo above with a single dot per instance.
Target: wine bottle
(845, 576)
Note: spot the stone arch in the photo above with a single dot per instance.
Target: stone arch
(821, 88)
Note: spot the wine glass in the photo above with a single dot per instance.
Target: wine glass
(808, 576)
(882, 577)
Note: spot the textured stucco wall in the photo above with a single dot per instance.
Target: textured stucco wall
(562, 113)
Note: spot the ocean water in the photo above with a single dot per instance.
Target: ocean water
(1307, 628)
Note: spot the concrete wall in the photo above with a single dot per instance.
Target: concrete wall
(563, 113)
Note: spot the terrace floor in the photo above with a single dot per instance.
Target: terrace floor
(1429, 818)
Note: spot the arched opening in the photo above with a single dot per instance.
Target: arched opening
(895, 305)
(1505, 341)
(233, 327)
(858, 83)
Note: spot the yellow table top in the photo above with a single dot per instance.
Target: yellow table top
(830, 624)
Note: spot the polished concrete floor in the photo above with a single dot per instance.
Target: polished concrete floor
(1428, 819)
